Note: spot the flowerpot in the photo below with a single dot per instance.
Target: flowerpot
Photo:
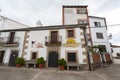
(41, 66)
(107, 57)
(62, 67)
(96, 58)
(18, 65)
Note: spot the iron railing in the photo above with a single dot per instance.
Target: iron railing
(7, 41)
(52, 41)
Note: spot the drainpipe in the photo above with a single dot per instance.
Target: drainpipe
(87, 48)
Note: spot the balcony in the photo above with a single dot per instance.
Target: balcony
(9, 42)
(53, 41)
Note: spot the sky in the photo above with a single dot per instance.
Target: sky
(49, 12)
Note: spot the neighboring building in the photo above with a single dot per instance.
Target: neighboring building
(11, 43)
(99, 34)
(116, 51)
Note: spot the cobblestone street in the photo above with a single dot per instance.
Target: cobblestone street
(12, 73)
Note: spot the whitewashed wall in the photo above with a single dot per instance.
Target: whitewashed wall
(72, 49)
(38, 36)
(6, 23)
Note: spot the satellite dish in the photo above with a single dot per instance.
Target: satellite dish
(38, 23)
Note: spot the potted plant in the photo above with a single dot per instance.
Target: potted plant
(19, 62)
(40, 62)
(62, 64)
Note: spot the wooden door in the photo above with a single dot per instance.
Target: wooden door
(13, 57)
(54, 37)
(53, 59)
(11, 37)
(1, 56)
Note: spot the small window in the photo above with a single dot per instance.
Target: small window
(82, 22)
(99, 35)
(71, 57)
(118, 54)
(81, 11)
(70, 33)
(97, 24)
(34, 55)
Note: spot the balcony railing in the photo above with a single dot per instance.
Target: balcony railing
(8, 42)
(49, 41)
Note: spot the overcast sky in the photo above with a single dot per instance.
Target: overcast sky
(49, 12)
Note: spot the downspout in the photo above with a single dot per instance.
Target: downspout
(87, 48)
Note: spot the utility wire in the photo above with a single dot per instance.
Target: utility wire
(108, 26)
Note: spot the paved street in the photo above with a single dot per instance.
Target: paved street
(12, 73)
(117, 61)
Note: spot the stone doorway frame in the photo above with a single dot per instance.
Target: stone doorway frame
(56, 49)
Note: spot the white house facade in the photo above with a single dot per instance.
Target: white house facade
(11, 46)
(99, 34)
(11, 43)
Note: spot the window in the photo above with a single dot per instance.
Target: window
(81, 11)
(71, 57)
(82, 21)
(99, 35)
(70, 33)
(34, 55)
(97, 24)
(118, 54)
